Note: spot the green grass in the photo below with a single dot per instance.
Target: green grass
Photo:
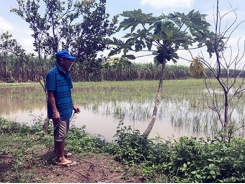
(19, 84)
(155, 160)
(87, 92)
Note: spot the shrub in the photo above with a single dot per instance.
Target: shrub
(131, 148)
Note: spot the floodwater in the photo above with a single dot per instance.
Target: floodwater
(27, 104)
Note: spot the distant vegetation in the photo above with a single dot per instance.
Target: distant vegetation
(14, 70)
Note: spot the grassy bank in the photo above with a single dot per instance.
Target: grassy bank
(26, 156)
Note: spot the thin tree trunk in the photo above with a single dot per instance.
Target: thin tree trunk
(45, 125)
(157, 101)
(46, 121)
(226, 118)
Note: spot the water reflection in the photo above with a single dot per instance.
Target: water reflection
(17, 100)
(103, 125)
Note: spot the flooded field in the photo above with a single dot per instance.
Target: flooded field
(183, 110)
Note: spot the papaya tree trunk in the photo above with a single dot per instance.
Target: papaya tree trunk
(157, 101)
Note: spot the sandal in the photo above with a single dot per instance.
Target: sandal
(69, 164)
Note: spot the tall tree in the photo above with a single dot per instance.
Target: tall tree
(163, 35)
(79, 26)
(229, 60)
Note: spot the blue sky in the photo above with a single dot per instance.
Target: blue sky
(20, 31)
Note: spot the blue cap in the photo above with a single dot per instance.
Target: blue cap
(65, 54)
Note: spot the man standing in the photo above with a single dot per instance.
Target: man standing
(60, 104)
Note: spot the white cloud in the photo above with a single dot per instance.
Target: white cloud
(4, 25)
(27, 44)
(160, 4)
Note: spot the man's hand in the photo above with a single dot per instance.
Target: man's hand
(76, 109)
(56, 117)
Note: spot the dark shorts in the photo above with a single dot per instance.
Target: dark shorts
(60, 130)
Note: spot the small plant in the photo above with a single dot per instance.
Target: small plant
(131, 148)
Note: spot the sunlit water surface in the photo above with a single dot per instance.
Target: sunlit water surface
(174, 119)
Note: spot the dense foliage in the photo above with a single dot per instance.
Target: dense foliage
(157, 160)
(79, 26)
(13, 69)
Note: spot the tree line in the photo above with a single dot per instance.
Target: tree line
(13, 69)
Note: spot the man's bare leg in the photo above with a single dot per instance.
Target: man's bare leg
(59, 149)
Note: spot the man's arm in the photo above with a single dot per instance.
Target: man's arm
(52, 103)
(75, 107)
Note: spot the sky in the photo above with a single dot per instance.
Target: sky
(11, 22)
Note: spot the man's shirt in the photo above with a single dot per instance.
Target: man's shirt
(61, 84)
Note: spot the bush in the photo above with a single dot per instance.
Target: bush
(188, 159)
(131, 148)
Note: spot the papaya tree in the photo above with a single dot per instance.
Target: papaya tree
(228, 60)
(163, 35)
(80, 27)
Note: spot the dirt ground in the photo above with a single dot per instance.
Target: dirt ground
(91, 169)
